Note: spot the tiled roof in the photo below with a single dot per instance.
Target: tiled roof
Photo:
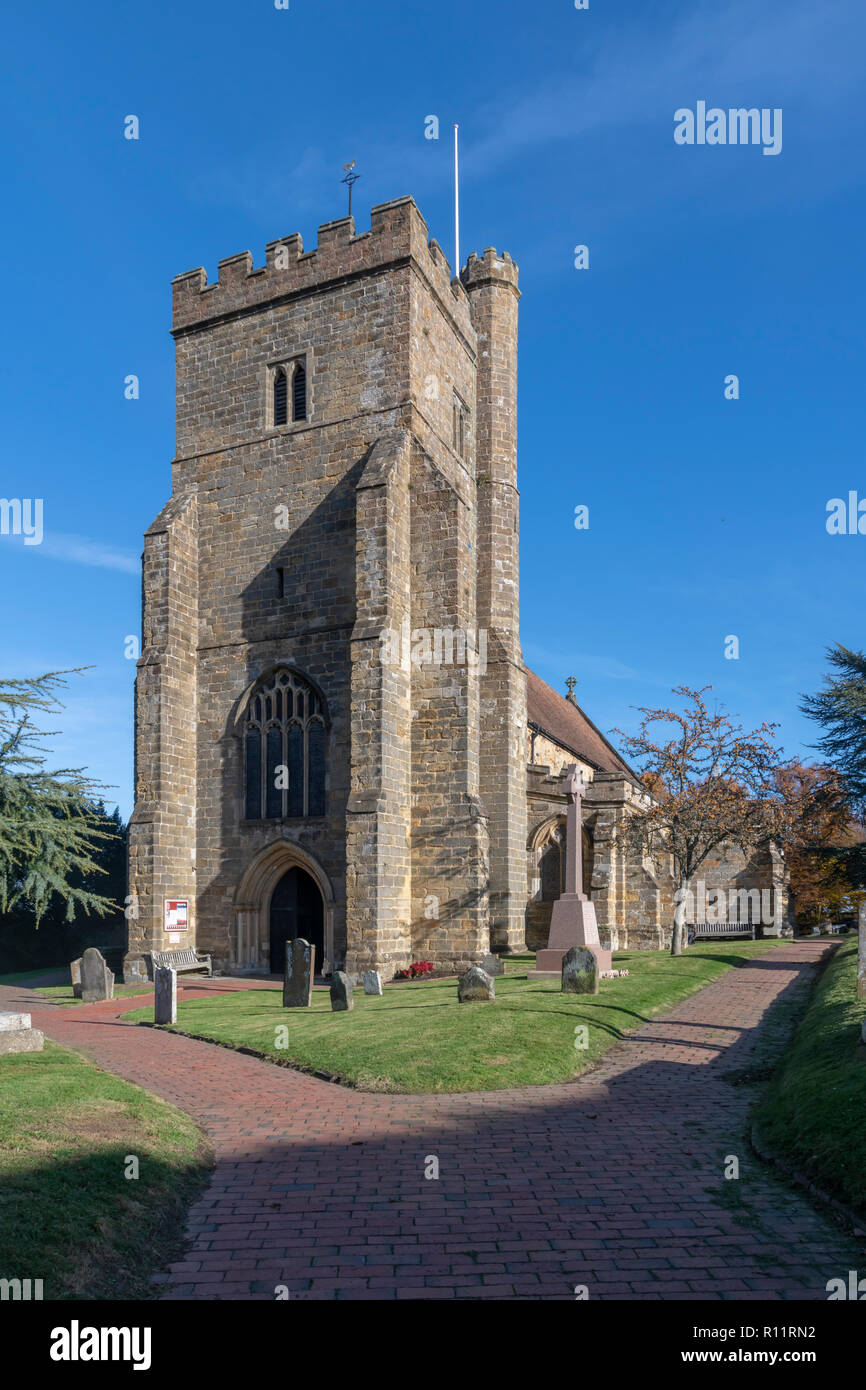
(567, 725)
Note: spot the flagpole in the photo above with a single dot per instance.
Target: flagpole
(456, 208)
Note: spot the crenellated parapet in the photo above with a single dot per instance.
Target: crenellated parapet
(398, 234)
(488, 269)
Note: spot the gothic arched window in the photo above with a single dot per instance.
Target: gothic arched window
(281, 392)
(284, 749)
(551, 865)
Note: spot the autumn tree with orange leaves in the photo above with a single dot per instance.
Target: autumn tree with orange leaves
(819, 868)
(710, 783)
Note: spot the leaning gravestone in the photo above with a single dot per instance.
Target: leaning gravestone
(164, 994)
(341, 992)
(97, 981)
(75, 974)
(493, 965)
(475, 984)
(16, 1034)
(579, 971)
(298, 979)
(372, 982)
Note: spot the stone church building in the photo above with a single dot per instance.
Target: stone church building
(336, 737)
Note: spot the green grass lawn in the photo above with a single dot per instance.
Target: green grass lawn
(18, 975)
(417, 1038)
(813, 1114)
(68, 1215)
(62, 994)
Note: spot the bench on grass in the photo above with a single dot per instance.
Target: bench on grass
(703, 931)
(186, 962)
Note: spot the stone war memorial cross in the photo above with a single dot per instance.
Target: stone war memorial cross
(572, 922)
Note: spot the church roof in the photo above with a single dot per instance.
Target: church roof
(568, 726)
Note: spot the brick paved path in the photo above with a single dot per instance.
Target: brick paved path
(614, 1181)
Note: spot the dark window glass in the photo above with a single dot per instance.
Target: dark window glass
(316, 766)
(253, 774)
(551, 872)
(274, 797)
(281, 392)
(296, 770)
(299, 392)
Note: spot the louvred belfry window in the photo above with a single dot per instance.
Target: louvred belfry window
(284, 749)
(299, 392)
(280, 397)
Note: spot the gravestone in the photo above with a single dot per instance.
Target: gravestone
(475, 984)
(164, 994)
(16, 1034)
(75, 975)
(861, 953)
(580, 971)
(341, 992)
(97, 981)
(372, 982)
(493, 965)
(298, 978)
(135, 973)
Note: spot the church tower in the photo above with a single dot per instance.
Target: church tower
(330, 700)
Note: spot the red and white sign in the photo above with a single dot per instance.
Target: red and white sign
(176, 914)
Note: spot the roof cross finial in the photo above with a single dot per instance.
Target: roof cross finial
(571, 683)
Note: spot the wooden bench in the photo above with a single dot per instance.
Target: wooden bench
(186, 962)
(703, 931)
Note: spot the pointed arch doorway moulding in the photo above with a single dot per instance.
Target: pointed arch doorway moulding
(253, 903)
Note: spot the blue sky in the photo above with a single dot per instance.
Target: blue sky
(707, 516)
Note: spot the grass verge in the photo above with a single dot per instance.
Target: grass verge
(812, 1113)
(18, 975)
(68, 1213)
(62, 994)
(416, 1037)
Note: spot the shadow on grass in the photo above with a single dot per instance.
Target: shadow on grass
(88, 1232)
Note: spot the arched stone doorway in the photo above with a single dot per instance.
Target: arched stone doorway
(548, 842)
(254, 897)
(296, 910)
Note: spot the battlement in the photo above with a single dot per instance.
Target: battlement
(488, 268)
(398, 233)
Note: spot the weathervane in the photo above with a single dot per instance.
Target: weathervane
(351, 179)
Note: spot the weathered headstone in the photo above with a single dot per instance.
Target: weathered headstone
(298, 979)
(372, 982)
(75, 975)
(493, 965)
(135, 973)
(164, 994)
(341, 992)
(580, 971)
(97, 981)
(16, 1034)
(861, 953)
(475, 984)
